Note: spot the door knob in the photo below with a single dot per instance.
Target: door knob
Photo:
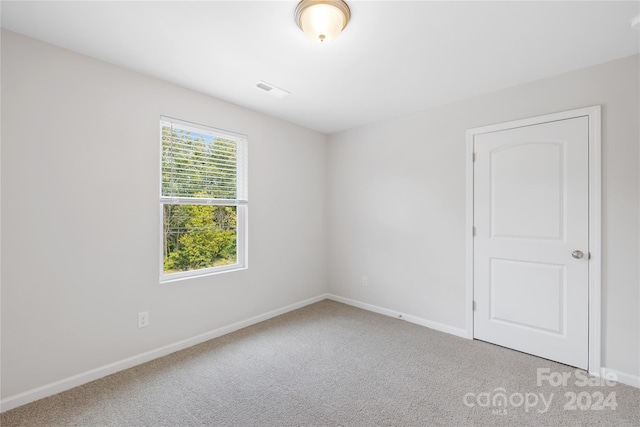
(577, 254)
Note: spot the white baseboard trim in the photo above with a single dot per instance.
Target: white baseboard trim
(97, 373)
(621, 377)
(392, 313)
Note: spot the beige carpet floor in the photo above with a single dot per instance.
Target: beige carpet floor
(329, 364)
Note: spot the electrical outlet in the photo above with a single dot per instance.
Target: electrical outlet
(365, 281)
(143, 319)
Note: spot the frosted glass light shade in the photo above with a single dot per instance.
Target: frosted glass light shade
(322, 21)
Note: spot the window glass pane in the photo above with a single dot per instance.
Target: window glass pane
(198, 236)
(197, 164)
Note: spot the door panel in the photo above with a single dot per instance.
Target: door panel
(527, 182)
(519, 302)
(530, 213)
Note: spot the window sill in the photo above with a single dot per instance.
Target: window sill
(179, 277)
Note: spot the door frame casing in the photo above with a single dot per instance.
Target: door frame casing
(595, 220)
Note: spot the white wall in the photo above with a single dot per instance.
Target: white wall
(397, 202)
(80, 216)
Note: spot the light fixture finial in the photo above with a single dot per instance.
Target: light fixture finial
(322, 20)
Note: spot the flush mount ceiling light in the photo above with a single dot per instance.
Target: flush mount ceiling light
(322, 20)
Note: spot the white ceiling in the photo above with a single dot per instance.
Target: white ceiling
(394, 58)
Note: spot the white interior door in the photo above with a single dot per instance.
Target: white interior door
(531, 219)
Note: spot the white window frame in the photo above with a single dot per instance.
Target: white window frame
(241, 204)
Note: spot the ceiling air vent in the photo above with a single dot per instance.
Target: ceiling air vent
(271, 89)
